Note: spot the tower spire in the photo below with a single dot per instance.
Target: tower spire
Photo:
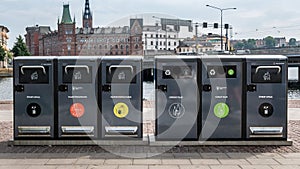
(66, 18)
(87, 16)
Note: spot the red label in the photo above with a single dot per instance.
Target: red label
(77, 110)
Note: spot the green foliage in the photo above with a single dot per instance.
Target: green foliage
(246, 44)
(292, 42)
(2, 53)
(20, 48)
(270, 42)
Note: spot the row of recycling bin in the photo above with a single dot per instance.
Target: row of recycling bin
(196, 98)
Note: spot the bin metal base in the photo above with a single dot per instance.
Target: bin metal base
(153, 142)
(147, 141)
(143, 142)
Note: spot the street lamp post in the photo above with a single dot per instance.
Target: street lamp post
(221, 10)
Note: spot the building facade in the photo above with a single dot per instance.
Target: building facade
(4, 37)
(87, 40)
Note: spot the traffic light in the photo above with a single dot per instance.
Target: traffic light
(204, 24)
(216, 25)
(226, 26)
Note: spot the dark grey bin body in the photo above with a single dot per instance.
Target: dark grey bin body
(77, 97)
(121, 94)
(177, 97)
(222, 97)
(266, 97)
(34, 102)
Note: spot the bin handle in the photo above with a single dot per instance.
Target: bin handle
(120, 66)
(33, 67)
(77, 66)
(268, 67)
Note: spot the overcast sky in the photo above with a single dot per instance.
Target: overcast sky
(252, 19)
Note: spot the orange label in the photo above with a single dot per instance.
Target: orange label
(77, 110)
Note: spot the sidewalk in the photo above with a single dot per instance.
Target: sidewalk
(121, 157)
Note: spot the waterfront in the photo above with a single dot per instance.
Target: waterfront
(6, 89)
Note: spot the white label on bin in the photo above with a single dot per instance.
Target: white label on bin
(77, 97)
(33, 97)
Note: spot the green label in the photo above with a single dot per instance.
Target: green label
(231, 72)
(221, 110)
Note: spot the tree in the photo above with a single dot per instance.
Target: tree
(292, 42)
(239, 45)
(2, 53)
(250, 44)
(20, 48)
(270, 42)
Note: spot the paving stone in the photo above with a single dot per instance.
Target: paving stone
(61, 161)
(118, 161)
(32, 161)
(175, 161)
(42, 167)
(234, 161)
(147, 161)
(285, 166)
(13, 166)
(255, 167)
(289, 161)
(194, 167)
(240, 155)
(72, 167)
(224, 167)
(262, 161)
(164, 167)
(268, 155)
(103, 167)
(204, 161)
(9, 162)
(291, 155)
(133, 167)
(89, 162)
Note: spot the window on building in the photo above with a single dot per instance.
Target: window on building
(175, 43)
(151, 43)
(116, 46)
(136, 46)
(151, 35)
(169, 43)
(160, 35)
(145, 35)
(160, 43)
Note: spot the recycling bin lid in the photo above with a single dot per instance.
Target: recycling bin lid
(265, 57)
(33, 58)
(177, 57)
(79, 57)
(131, 57)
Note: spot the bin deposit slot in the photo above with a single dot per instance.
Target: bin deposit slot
(266, 130)
(121, 130)
(78, 129)
(34, 130)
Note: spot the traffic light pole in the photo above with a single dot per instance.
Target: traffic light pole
(221, 10)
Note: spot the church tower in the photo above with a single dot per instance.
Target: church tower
(66, 33)
(87, 19)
